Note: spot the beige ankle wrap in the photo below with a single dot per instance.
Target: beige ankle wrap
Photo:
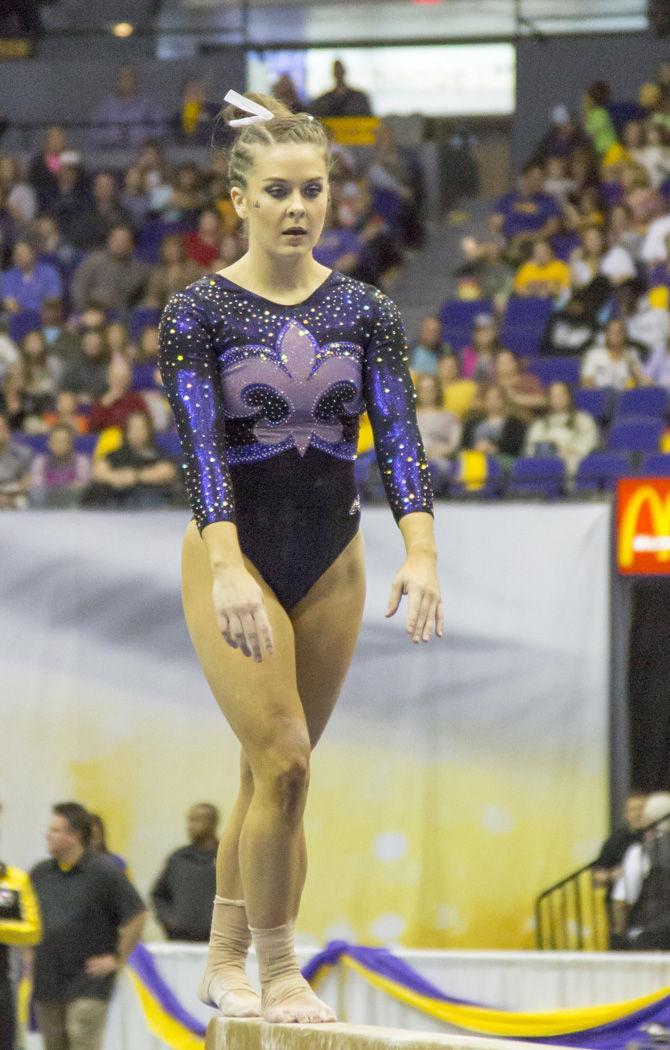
(277, 962)
(285, 994)
(225, 983)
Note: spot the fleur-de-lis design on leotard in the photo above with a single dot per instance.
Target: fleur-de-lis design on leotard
(294, 388)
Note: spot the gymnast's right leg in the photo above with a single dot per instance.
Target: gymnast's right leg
(262, 705)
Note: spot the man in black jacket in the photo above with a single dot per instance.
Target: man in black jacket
(183, 894)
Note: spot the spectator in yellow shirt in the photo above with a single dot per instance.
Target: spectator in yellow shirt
(457, 394)
(19, 927)
(543, 275)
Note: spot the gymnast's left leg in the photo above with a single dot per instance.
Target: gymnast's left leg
(225, 983)
(333, 609)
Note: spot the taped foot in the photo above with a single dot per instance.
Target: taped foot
(286, 997)
(231, 993)
(294, 1002)
(225, 984)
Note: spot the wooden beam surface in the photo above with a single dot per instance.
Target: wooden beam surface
(230, 1034)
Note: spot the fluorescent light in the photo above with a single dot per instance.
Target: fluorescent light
(123, 29)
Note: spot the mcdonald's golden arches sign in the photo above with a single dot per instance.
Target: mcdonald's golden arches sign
(643, 526)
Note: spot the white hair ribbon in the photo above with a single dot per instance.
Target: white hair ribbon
(260, 113)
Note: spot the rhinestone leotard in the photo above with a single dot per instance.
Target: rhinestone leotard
(267, 400)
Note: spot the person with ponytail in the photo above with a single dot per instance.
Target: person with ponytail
(268, 365)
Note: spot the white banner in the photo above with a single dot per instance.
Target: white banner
(471, 772)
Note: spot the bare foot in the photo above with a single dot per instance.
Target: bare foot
(294, 1003)
(231, 992)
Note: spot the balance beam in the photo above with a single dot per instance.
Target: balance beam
(230, 1034)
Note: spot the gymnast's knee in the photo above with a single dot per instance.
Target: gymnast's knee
(282, 772)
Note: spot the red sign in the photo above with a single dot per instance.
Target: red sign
(643, 526)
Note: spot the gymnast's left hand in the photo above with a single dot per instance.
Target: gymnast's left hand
(417, 578)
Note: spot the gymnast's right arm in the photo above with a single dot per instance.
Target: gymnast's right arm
(189, 371)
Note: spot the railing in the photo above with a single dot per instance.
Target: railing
(574, 914)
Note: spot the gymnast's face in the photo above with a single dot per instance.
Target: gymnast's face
(287, 190)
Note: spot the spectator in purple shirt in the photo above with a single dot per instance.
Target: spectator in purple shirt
(126, 117)
(526, 214)
(29, 282)
(59, 475)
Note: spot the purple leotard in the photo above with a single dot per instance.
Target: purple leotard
(267, 400)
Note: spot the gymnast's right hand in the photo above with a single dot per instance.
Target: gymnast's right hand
(240, 613)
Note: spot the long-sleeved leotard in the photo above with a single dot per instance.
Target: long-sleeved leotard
(267, 400)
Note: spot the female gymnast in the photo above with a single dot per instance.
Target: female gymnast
(268, 365)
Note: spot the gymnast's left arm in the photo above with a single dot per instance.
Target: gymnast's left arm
(390, 401)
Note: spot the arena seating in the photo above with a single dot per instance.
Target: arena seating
(598, 403)
(635, 434)
(632, 422)
(555, 370)
(599, 471)
(524, 323)
(458, 318)
(537, 476)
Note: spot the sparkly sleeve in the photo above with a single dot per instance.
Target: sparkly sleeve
(189, 372)
(389, 396)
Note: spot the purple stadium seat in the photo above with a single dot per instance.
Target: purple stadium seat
(598, 403)
(18, 325)
(635, 434)
(35, 442)
(143, 376)
(458, 319)
(600, 471)
(143, 317)
(150, 237)
(656, 464)
(537, 476)
(38, 442)
(643, 401)
(85, 443)
(168, 443)
(525, 321)
(388, 204)
(564, 244)
(556, 370)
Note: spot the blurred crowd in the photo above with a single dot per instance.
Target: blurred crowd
(568, 292)
(565, 297)
(89, 258)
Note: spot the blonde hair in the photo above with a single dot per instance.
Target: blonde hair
(284, 127)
